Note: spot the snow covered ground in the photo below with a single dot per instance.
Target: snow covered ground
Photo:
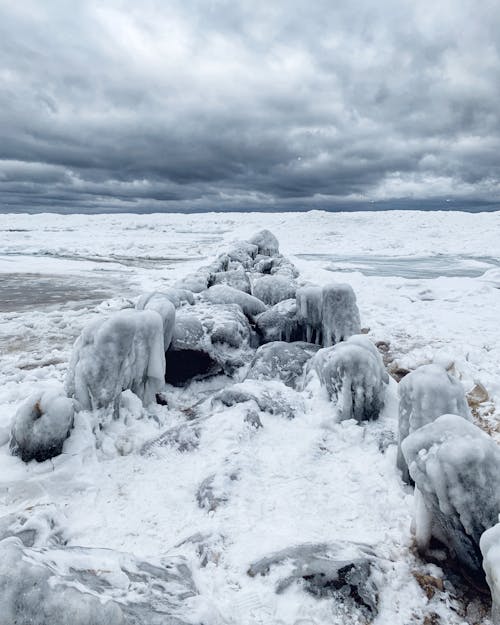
(427, 284)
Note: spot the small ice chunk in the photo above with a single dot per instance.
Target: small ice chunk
(41, 425)
(425, 394)
(224, 294)
(274, 289)
(266, 243)
(122, 352)
(164, 306)
(354, 376)
(340, 314)
(456, 469)
(490, 549)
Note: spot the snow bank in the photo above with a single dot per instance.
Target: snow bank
(41, 425)
(456, 469)
(425, 394)
(122, 352)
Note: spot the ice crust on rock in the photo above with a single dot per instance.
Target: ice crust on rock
(235, 278)
(41, 425)
(354, 377)
(281, 361)
(223, 294)
(310, 312)
(123, 352)
(164, 306)
(208, 339)
(273, 289)
(267, 244)
(490, 549)
(85, 586)
(339, 314)
(425, 394)
(279, 323)
(456, 469)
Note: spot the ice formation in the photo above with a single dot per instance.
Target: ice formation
(279, 323)
(339, 314)
(490, 549)
(164, 306)
(267, 244)
(425, 394)
(208, 339)
(310, 312)
(354, 377)
(273, 289)
(84, 586)
(223, 294)
(122, 352)
(41, 425)
(281, 361)
(236, 278)
(456, 469)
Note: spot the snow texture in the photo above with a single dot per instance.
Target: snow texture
(85, 586)
(490, 550)
(354, 377)
(223, 294)
(273, 289)
(425, 394)
(281, 361)
(41, 425)
(164, 306)
(456, 469)
(267, 244)
(122, 352)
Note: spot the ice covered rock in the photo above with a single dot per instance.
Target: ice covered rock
(339, 314)
(178, 296)
(280, 361)
(194, 282)
(85, 586)
(273, 289)
(490, 549)
(223, 294)
(310, 312)
(425, 394)
(343, 570)
(354, 376)
(208, 339)
(279, 323)
(41, 425)
(164, 306)
(122, 352)
(267, 244)
(236, 278)
(243, 252)
(269, 396)
(275, 265)
(456, 469)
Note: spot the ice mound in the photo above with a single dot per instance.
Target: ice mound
(339, 314)
(280, 361)
(425, 394)
(85, 586)
(123, 352)
(267, 244)
(208, 339)
(223, 294)
(490, 549)
(456, 469)
(41, 425)
(354, 377)
(164, 306)
(273, 289)
(342, 570)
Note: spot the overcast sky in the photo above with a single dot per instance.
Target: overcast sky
(195, 105)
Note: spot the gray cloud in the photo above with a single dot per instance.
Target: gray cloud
(244, 105)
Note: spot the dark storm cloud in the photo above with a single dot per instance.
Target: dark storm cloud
(247, 105)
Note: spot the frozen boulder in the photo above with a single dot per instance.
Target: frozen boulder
(279, 323)
(354, 377)
(280, 361)
(223, 294)
(490, 549)
(267, 244)
(243, 252)
(164, 306)
(85, 586)
(41, 425)
(310, 312)
(273, 289)
(456, 469)
(178, 296)
(194, 282)
(346, 571)
(425, 394)
(339, 314)
(123, 352)
(208, 339)
(235, 278)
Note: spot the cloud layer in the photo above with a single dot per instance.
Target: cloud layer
(223, 105)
